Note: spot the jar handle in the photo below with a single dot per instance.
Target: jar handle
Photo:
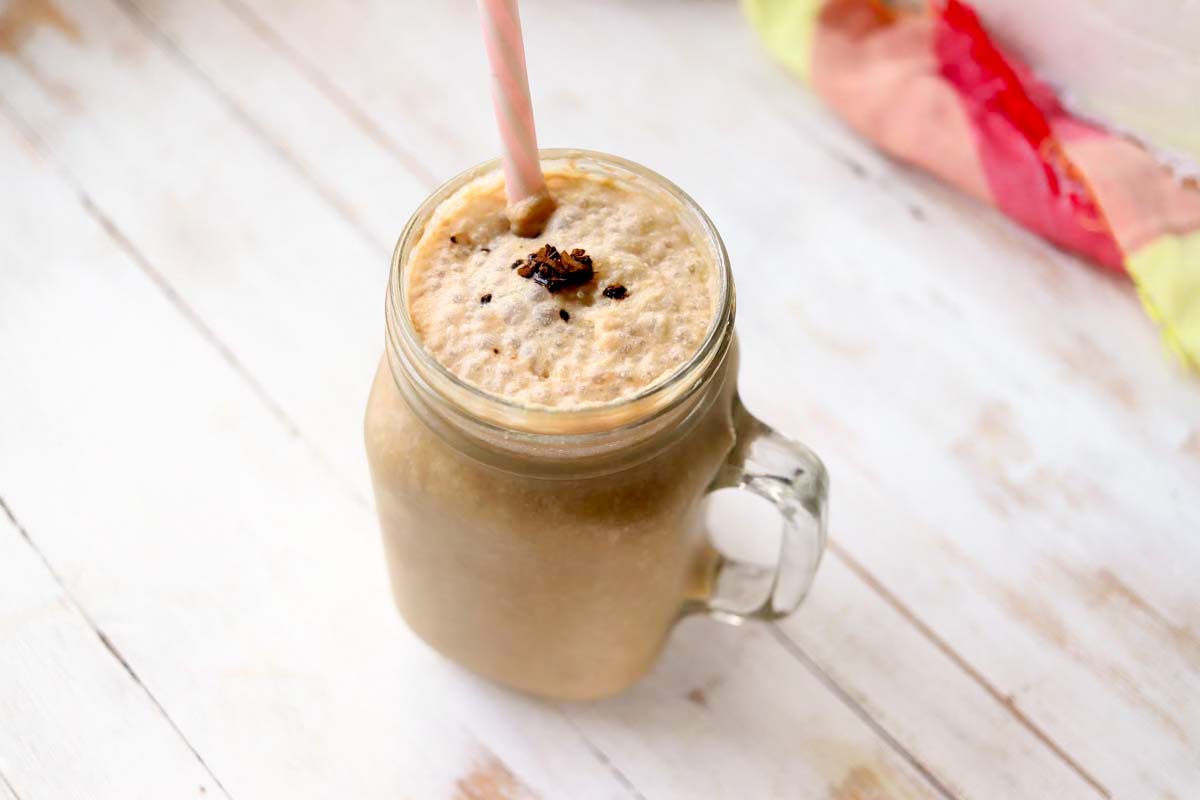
(787, 473)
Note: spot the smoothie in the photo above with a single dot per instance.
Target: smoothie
(559, 585)
(550, 413)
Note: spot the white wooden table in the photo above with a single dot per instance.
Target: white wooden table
(197, 203)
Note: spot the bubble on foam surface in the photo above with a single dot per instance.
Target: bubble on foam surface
(545, 313)
(607, 349)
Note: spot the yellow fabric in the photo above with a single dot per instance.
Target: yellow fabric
(786, 27)
(1167, 274)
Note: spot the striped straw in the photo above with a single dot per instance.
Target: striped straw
(510, 100)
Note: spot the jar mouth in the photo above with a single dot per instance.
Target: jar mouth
(440, 385)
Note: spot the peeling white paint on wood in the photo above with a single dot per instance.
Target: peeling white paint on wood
(193, 260)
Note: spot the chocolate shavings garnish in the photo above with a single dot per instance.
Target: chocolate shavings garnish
(487, 298)
(616, 291)
(564, 315)
(556, 271)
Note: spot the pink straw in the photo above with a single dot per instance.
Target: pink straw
(510, 100)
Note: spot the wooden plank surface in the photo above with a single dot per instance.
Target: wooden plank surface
(254, 699)
(76, 722)
(242, 617)
(243, 587)
(874, 306)
(187, 29)
(1015, 486)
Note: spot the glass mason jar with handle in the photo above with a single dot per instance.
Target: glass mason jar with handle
(553, 549)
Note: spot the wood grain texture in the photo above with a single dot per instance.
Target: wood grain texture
(76, 723)
(1011, 433)
(759, 726)
(239, 616)
(19, 19)
(1014, 463)
(211, 547)
(228, 222)
(201, 35)
(965, 736)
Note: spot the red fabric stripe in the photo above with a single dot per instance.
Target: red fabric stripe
(1030, 177)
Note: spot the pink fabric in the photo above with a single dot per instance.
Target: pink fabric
(1029, 173)
(878, 71)
(932, 89)
(1141, 199)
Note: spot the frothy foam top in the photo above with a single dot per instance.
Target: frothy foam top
(581, 345)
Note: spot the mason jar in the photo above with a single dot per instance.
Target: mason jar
(552, 549)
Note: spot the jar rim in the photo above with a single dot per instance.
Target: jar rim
(505, 415)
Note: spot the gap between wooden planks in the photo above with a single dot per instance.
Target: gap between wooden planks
(1119, 387)
(226, 37)
(55, 662)
(424, 53)
(221, 565)
(141, 385)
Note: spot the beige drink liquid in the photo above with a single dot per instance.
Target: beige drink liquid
(549, 414)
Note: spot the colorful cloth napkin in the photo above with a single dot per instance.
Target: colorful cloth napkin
(931, 88)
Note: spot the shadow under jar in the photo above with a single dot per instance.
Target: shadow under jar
(553, 550)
